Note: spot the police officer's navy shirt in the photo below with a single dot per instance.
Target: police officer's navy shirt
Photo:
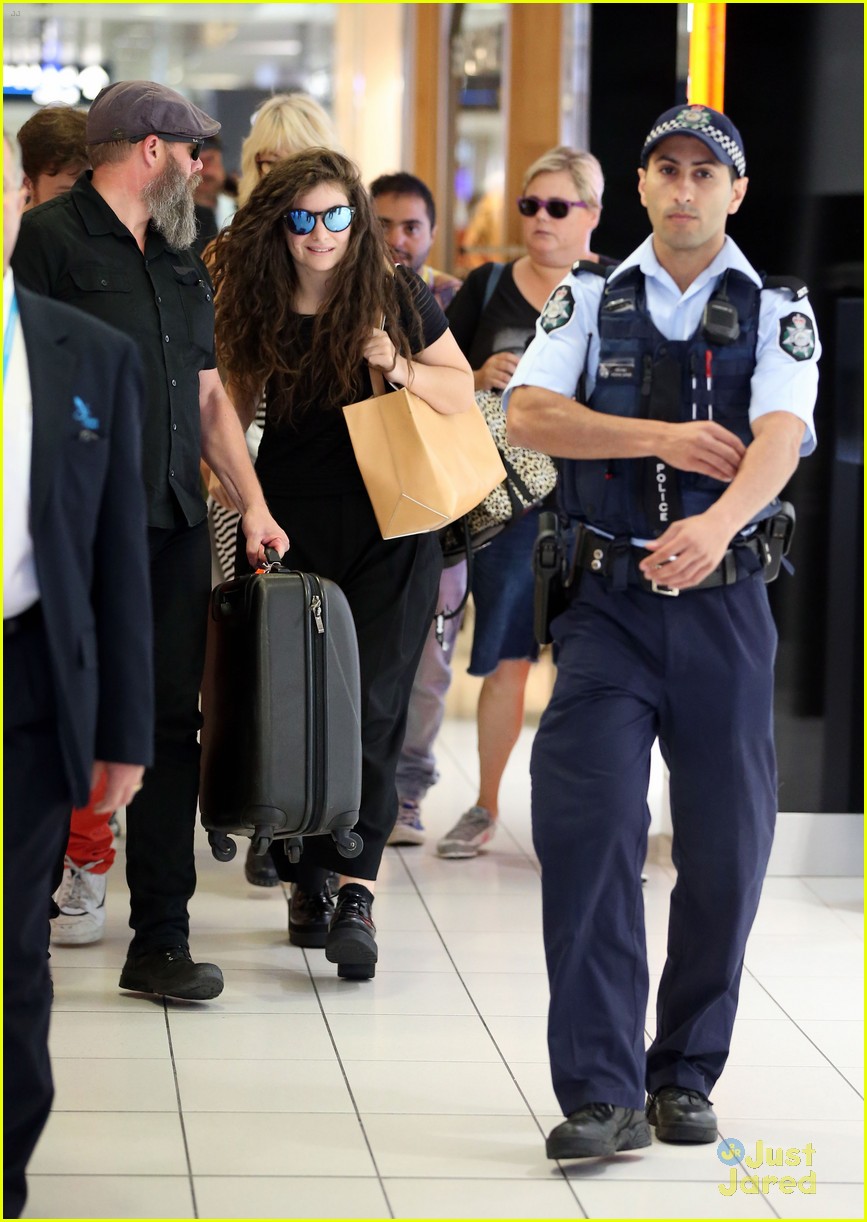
(781, 381)
(75, 248)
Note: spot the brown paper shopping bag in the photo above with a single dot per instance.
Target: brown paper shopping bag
(421, 469)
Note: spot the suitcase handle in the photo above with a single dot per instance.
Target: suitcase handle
(273, 562)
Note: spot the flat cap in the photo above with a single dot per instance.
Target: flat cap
(714, 129)
(130, 110)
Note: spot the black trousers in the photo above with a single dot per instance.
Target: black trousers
(36, 806)
(391, 587)
(160, 867)
(695, 671)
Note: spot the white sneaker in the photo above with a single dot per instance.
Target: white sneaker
(81, 900)
(475, 828)
(409, 828)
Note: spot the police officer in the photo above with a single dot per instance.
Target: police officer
(695, 401)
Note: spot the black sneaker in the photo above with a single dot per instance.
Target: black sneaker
(684, 1115)
(309, 917)
(172, 973)
(260, 871)
(596, 1130)
(351, 941)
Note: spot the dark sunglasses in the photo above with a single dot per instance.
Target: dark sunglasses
(300, 222)
(195, 146)
(529, 205)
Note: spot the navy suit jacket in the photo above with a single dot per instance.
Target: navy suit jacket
(88, 522)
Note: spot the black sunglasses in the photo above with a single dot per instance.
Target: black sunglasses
(529, 205)
(195, 146)
(300, 222)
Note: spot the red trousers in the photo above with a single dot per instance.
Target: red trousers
(90, 837)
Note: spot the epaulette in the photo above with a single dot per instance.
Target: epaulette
(796, 287)
(588, 265)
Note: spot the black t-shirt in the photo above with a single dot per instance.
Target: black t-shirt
(312, 455)
(507, 323)
(75, 248)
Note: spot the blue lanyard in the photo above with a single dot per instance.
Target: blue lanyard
(9, 334)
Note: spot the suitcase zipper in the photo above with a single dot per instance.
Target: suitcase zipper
(316, 609)
(319, 744)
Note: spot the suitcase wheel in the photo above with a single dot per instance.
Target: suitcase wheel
(292, 847)
(349, 844)
(223, 848)
(261, 843)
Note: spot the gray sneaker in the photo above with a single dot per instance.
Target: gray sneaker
(474, 829)
(81, 900)
(409, 828)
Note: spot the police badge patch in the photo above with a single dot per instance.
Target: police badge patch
(558, 308)
(797, 336)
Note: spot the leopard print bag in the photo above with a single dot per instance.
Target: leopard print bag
(530, 478)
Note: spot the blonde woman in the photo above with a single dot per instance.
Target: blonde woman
(286, 124)
(560, 206)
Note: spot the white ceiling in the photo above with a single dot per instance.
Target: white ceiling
(202, 46)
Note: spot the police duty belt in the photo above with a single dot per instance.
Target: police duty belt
(618, 559)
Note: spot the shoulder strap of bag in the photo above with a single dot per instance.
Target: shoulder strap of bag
(492, 282)
(444, 613)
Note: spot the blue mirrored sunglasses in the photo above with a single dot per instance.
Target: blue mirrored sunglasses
(529, 205)
(300, 222)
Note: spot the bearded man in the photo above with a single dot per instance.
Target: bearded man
(117, 246)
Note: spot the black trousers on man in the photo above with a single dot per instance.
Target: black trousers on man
(161, 821)
(37, 801)
(391, 587)
(696, 671)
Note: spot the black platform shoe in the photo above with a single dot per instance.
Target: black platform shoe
(309, 916)
(351, 941)
(259, 871)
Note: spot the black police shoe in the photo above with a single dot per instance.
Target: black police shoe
(172, 973)
(679, 1114)
(351, 941)
(309, 916)
(598, 1129)
(260, 871)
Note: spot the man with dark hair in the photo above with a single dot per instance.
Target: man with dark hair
(697, 379)
(53, 152)
(406, 209)
(213, 206)
(117, 246)
(54, 155)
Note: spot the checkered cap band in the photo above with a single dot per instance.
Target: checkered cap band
(722, 139)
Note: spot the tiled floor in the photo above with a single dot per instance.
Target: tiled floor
(425, 1092)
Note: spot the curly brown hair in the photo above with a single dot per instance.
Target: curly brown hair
(255, 282)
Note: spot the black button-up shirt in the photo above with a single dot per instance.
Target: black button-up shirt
(74, 248)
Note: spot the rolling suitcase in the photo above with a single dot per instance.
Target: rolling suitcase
(281, 740)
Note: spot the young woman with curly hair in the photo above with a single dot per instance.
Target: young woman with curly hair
(284, 125)
(307, 303)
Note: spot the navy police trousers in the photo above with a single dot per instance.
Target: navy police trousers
(696, 671)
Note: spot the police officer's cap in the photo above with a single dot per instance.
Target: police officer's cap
(713, 128)
(131, 110)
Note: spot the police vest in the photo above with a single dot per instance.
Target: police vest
(642, 374)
